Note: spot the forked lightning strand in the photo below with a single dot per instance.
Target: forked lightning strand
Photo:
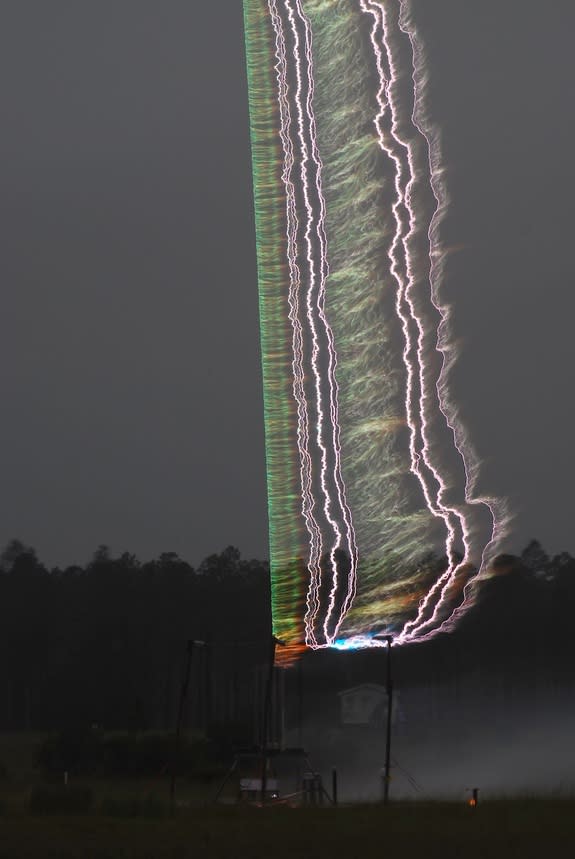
(300, 149)
(420, 407)
(349, 254)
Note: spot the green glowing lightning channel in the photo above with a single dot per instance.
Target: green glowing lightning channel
(374, 526)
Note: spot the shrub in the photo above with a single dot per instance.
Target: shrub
(135, 806)
(154, 753)
(132, 755)
(62, 799)
(74, 751)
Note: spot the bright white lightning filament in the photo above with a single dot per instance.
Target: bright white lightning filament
(424, 396)
(330, 528)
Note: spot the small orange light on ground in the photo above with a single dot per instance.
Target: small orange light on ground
(472, 801)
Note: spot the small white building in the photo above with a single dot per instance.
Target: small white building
(365, 705)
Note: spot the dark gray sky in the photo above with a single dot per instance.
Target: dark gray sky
(129, 367)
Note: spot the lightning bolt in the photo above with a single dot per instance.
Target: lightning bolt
(313, 342)
(424, 396)
(400, 167)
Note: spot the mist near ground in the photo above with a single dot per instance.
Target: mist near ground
(505, 750)
(489, 705)
(104, 649)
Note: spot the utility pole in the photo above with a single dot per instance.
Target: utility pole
(389, 689)
(266, 714)
(182, 703)
(300, 704)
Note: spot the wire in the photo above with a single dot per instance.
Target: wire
(414, 784)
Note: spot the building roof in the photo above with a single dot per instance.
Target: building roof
(375, 688)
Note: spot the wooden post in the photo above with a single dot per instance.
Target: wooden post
(266, 719)
(389, 686)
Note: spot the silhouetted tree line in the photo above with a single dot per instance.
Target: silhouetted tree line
(514, 645)
(104, 645)
(517, 636)
(521, 627)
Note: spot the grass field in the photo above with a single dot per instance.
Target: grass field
(129, 819)
(523, 829)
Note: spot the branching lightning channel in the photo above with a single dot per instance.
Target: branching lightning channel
(495, 506)
(401, 155)
(349, 200)
(423, 394)
(292, 222)
(333, 387)
(307, 257)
